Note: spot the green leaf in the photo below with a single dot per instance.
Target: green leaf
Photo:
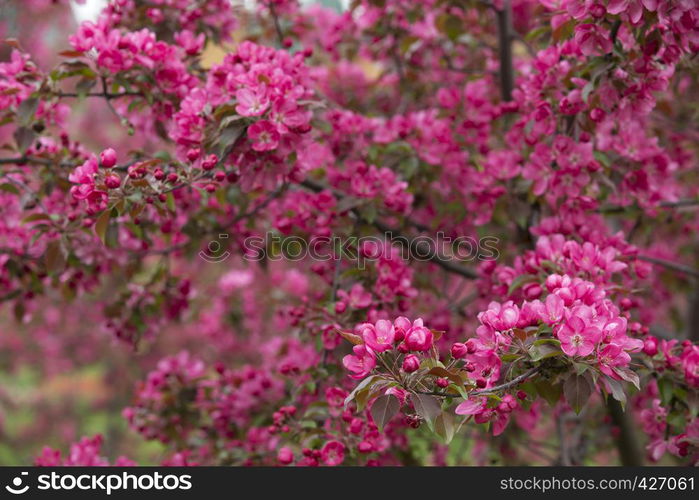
(580, 368)
(438, 371)
(577, 389)
(550, 392)
(9, 188)
(427, 407)
(364, 384)
(617, 390)
(666, 389)
(35, 217)
(520, 281)
(84, 86)
(383, 409)
(24, 137)
(351, 337)
(553, 342)
(543, 351)
(170, 202)
(444, 426)
(55, 256)
(629, 376)
(26, 111)
(102, 224)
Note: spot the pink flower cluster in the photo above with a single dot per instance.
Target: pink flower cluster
(587, 324)
(266, 89)
(118, 51)
(84, 453)
(499, 416)
(85, 178)
(385, 335)
(210, 16)
(224, 400)
(368, 181)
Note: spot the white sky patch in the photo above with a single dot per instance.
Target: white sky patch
(88, 11)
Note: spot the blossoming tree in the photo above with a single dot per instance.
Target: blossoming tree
(564, 130)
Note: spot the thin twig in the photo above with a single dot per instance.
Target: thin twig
(515, 381)
(103, 95)
(277, 26)
(670, 265)
(504, 17)
(432, 255)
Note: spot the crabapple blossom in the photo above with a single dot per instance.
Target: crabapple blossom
(162, 163)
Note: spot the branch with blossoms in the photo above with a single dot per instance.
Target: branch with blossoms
(575, 148)
(566, 348)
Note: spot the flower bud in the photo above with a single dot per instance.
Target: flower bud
(459, 350)
(418, 338)
(285, 456)
(112, 181)
(209, 162)
(193, 154)
(650, 346)
(108, 158)
(411, 363)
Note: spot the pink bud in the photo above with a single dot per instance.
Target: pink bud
(411, 363)
(285, 456)
(597, 10)
(650, 346)
(418, 338)
(112, 181)
(193, 154)
(459, 350)
(209, 162)
(108, 158)
(597, 114)
(365, 447)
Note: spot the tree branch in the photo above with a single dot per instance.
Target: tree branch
(103, 95)
(432, 254)
(670, 265)
(505, 36)
(512, 383)
(277, 26)
(629, 452)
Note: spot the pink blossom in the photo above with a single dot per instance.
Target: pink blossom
(264, 136)
(252, 102)
(361, 362)
(333, 453)
(577, 339)
(379, 337)
(418, 338)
